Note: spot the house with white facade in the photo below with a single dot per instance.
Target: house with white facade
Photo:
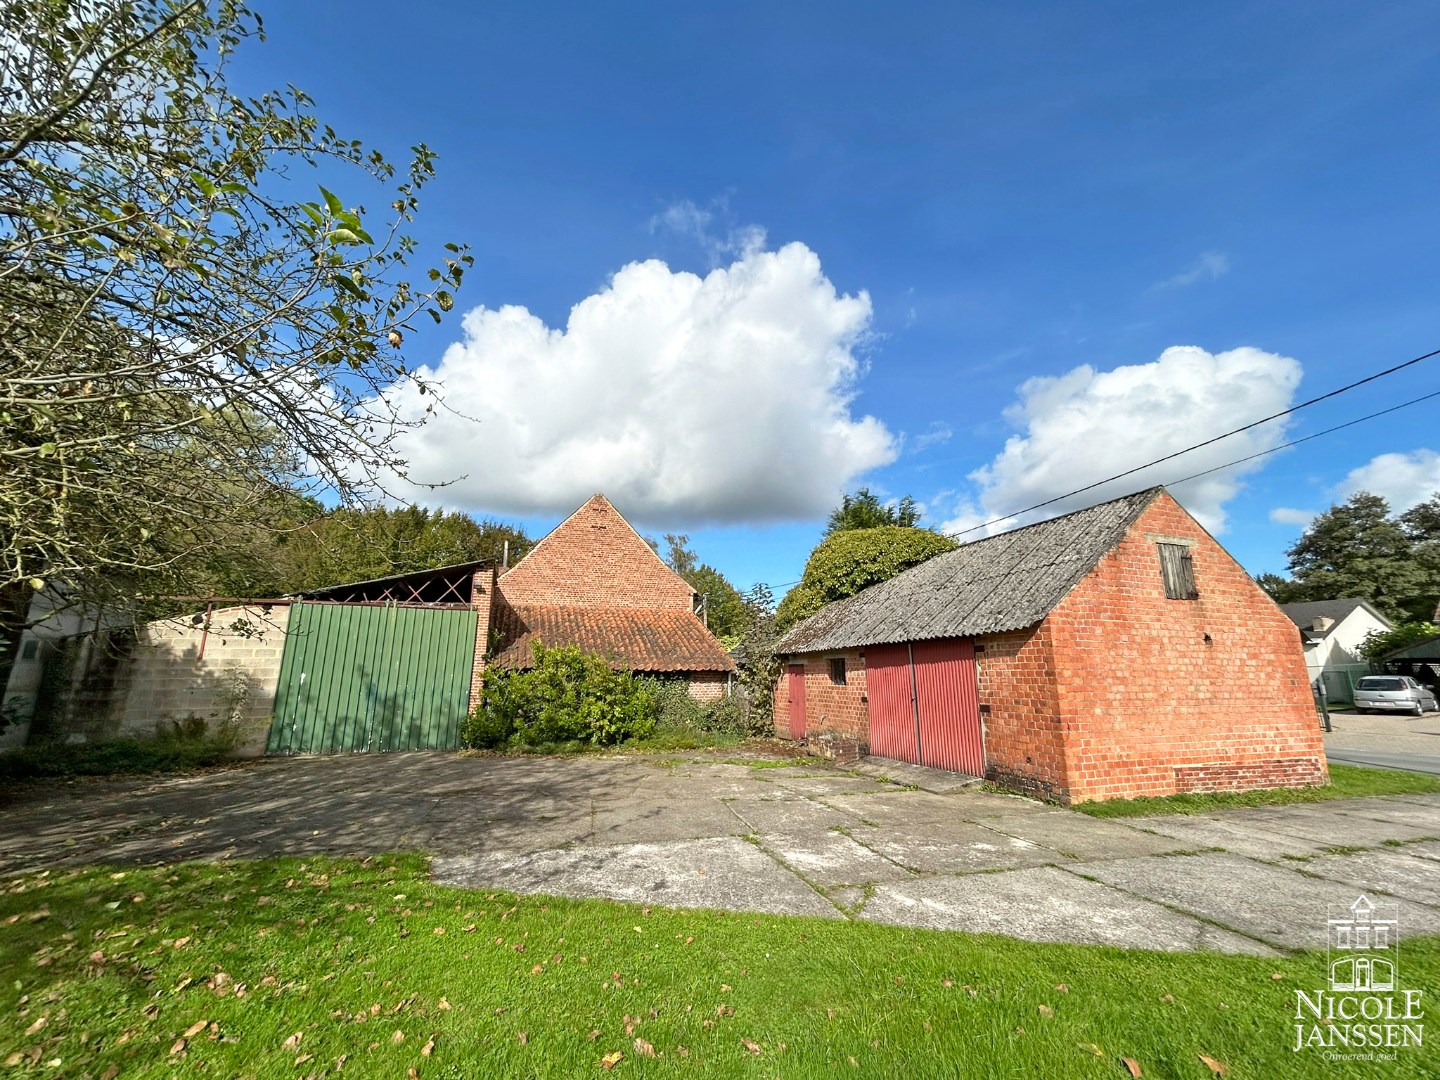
(1333, 631)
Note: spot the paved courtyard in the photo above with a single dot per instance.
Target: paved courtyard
(764, 836)
(1393, 742)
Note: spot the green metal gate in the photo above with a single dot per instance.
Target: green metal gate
(357, 679)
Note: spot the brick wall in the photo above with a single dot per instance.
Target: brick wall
(595, 558)
(708, 685)
(168, 679)
(1019, 699)
(1158, 696)
(482, 599)
(837, 718)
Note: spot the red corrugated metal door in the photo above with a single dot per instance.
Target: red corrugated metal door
(795, 683)
(892, 703)
(950, 736)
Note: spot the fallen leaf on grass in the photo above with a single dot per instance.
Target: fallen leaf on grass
(36, 1026)
(1046, 1010)
(1091, 1048)
(195, 1028)
(304, 1058)
(609, 1061)
(398, 1036)
(524, 1038)
(594, 1034)
(1133, 1066)
(180, 943)
(1062, 987)
(682, 1051)
(293, 1041)
(753, 1047)
(1276, 976)
(1219, 1068)
(178, 1047)
(443, 1005)
(428, 1048)
(1169, 999)
(14, 1059)
(644, 1049)
(110, 1073)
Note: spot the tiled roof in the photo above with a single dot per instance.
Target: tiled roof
(1304, 614)
(1004, 582)
(640, 639)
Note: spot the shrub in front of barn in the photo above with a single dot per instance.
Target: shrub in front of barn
(568, 696)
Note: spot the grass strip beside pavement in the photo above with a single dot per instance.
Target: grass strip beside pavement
(359, 968)
(1346, 782)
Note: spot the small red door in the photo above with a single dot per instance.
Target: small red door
(795, 680)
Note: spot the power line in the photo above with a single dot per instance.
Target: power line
(1217, 438)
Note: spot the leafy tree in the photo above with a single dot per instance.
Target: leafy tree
(1422, 525)
(760, 668)
(855, 559)
(1379, 642)
(193, 338)
(725, 611)
(361, 544)
(1358, 549)
(864, 510)
(1282, 590)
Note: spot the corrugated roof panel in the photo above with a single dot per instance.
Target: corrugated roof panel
(1004, 582)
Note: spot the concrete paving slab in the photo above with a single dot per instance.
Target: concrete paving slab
(717, 873)
(832, 785)
(956, 848)
(830, 859)
(1424, 818)
(1047, 904)
(937, 781)
(1198, 831)
(1317, 822)
(1425, 849)
(907, 808)
(637, 821)
(1080, 837)
(788, 814)
(1276, 904)
(1388, 870)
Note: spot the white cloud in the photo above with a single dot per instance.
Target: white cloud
(1286, 515)
(1086, 425)
(937, 433)
(724, 398)
(1208, 267)
(713, 228)
(1403, 480)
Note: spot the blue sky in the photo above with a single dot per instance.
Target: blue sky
(907, 213)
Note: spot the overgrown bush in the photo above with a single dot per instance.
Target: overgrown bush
(568, 696)
(113, 757)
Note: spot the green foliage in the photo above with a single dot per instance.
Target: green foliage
(568, 696)
(193, 342)
(854, 559)
(1346, 782)
(376, 542)
(1379, 642)
(115, 757)
(1357, 548)
(864, 510)
(679, 713)
(760, 667)
(725, 611)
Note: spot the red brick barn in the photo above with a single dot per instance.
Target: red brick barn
(594, 582)
(1113, 652)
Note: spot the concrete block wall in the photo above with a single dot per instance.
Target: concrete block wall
(178, 670)
(1159, 696)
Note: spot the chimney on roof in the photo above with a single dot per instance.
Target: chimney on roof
(1322, 623)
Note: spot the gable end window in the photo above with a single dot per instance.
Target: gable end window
(837, 671)
(1178, 570)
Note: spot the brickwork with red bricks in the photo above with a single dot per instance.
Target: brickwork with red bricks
(482, 599)
(1019, 699)
(1159, 696)
(1122, 692)
(832, 713)
(595, 558)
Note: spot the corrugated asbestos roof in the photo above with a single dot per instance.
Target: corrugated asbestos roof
(640, 639)
(1004, 582)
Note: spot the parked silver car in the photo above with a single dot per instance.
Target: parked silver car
(1393, 693)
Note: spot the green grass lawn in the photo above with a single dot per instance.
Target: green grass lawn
(329, 967)
(1346, 782)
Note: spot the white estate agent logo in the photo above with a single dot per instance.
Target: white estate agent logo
(1366, 1014)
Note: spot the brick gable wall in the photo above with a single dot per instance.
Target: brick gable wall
(1148, 706)
(595, 558)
